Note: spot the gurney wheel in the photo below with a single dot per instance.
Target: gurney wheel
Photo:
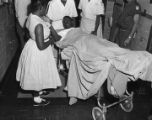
(127, 105)
(97, 114)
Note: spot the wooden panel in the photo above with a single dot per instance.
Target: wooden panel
(8, 39)
(2, 56)
(11, 44)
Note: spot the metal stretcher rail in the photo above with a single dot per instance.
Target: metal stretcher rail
(103, 107)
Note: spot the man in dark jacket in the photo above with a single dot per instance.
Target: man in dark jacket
(127, 23)
(117, 10)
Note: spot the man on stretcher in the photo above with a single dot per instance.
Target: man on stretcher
(94, 60)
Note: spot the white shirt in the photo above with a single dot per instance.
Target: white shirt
(56, 12)
(21, 10)
(90, 9)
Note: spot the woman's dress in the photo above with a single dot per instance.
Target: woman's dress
(37, 69)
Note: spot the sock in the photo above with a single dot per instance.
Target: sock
(37, 99)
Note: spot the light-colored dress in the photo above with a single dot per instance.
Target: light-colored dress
(37, 68)
(57, 11)
(21, 9)
(90, 9)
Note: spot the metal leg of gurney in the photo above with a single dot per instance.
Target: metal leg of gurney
(102, 108)
(62, 69)
(59, 60)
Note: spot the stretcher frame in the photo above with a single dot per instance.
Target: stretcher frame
(104, 108)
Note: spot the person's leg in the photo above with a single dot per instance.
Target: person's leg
(121, 37)
(44, 92)
(73, 100)
(113, 33)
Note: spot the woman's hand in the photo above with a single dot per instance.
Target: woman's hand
(51, 40)
(54, 34)
(46, 19)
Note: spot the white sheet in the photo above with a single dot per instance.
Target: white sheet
(91, 58)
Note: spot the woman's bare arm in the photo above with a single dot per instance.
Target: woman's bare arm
(41, 44)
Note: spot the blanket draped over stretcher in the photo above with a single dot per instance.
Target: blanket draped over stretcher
(91, 58)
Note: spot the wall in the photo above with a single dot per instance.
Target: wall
(8, 39)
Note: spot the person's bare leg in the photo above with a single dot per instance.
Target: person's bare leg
(73, 100)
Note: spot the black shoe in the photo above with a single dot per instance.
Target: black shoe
(44, 92)
(42, 103)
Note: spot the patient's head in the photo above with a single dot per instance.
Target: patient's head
(67, 22)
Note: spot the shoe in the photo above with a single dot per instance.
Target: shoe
(127, 104)
(98, 114)
(44, 92)
(42, 103)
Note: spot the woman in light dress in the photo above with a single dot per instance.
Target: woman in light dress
(37, 68)
(91, 16)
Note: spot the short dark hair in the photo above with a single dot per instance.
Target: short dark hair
(36, 5)
(69, 20)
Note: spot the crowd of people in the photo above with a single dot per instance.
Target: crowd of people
(37, 68)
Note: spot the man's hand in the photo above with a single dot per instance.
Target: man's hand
(110, 20)
(127, 41)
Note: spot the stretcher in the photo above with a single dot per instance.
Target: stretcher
(91, 60)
